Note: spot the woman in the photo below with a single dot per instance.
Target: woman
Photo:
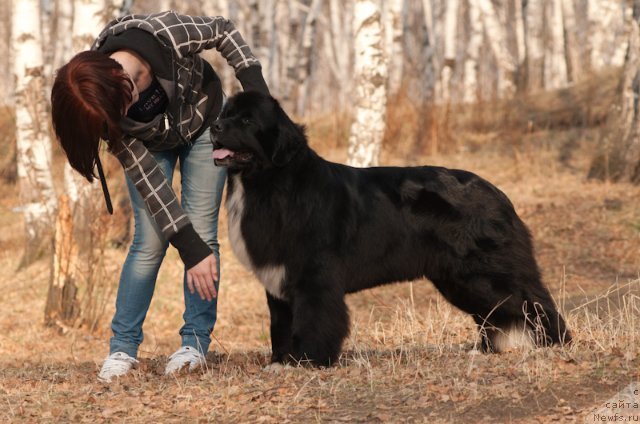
(145, 90)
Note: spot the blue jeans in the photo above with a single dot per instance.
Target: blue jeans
(202, 185)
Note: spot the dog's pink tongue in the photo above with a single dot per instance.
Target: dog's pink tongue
(222, 153)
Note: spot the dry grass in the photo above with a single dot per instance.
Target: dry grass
(408, 357)
(8, 166)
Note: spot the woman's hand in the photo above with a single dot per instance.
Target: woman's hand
(202, 276)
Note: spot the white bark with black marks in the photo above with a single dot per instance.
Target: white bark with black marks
(471, 92)
(534, 41)
(496, 35)
(555, 62)
(88, 19)
(392, 18)
(33, 143)
(370, 79)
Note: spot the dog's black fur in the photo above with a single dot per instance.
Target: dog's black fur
(314, 231)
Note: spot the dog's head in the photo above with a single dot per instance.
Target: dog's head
(254, 132)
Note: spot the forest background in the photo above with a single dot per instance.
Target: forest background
(538, 96)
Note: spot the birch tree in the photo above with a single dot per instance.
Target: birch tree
(393, 27)
(165, 5)
(620, 160)
(495, 32)
(608, 32)
(429, 88)
(6, 71)
(306, 54)
(277, 77)
(572, 56)
(582, 35)
(296, 15)
(370, 78)
(518, 31)
(62, 32)
(37, 193)
(337, 43)
(555, 61)
(89, 18)
(534, 41)
(472, 53)
(450, 33)
(269, 52)
(76, 237)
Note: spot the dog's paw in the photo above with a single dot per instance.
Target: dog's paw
(276, 368)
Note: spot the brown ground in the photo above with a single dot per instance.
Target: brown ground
(407, 359)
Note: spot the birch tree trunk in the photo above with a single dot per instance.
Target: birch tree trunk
(431, 88)
(269, 58)
(253, 20)
(519, 29)
(534, 41)
(215, 8)
(75, 237)
(88, 19)
(555, 63)
(474, 26)
(279, 47)
(165, 5)
(370, 80)
(337, 42)
(449, 63)
(496, 35)
(572, 56)
(582, 34)
(607, 32)
(306, 54)
(37, 194)
(393, 27)
(291, 55)
(620, 160)
(6, 69)
(62, 307)
(62, 32)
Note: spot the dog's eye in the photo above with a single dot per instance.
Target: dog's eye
(245, 121)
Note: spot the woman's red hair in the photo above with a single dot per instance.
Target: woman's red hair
(88, 99)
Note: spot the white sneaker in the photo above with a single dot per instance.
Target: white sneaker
(183, 356)
(117, 364)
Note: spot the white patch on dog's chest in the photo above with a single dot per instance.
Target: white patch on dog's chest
(271, 277)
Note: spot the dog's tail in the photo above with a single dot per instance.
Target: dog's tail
(544, 324)
(548, 325)
(538, 324)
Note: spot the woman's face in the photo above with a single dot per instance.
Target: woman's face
(135, 95)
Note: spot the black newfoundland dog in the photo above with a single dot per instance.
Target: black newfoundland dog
(313, 231)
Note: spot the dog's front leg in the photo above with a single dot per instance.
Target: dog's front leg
(281, 318)
(320, 324)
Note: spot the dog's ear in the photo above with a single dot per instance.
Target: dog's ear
(289, 141)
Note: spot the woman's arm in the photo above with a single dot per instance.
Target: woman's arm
(191, 34)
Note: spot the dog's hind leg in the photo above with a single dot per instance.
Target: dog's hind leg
(281, 328)
(320, 324)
